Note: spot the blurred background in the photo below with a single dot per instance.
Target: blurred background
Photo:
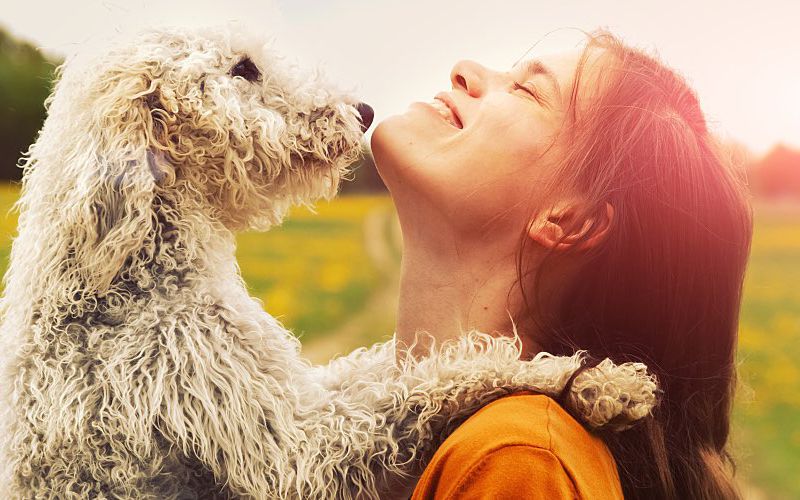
(331, 277)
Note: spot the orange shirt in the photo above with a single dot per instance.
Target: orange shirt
(522, 446)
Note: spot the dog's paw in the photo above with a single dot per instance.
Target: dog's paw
(613, 397)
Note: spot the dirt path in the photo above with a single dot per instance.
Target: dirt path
(381, 241)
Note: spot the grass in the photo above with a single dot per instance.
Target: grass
(311, 272)
(767, 413)
(314, 272)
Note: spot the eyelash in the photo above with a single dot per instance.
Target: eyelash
(530, 90)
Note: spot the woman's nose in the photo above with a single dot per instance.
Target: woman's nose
(470, 77)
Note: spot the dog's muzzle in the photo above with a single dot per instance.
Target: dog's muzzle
(366, 114)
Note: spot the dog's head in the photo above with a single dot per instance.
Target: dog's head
(243, 126)
(223, 115)
(209, 119)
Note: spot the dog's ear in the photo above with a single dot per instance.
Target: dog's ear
(156, 113)
(93, 176)
(115, 219)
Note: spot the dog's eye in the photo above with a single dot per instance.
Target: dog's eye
(246, 69)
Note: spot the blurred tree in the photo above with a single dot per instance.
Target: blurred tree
(25, 79)
(777, 174)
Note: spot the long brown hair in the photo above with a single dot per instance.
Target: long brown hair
(665, 287)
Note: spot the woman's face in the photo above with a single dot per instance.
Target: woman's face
(472, 152)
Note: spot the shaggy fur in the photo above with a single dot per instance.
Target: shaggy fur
(135, 365)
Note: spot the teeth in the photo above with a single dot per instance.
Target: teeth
(444, 111)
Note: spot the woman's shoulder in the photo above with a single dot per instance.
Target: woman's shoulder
(526, 445)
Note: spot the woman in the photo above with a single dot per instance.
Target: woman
(581, 200)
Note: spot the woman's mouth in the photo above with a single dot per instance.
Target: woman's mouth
(445, 109)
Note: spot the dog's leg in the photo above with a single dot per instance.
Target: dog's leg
(421, 402)
(241, 401)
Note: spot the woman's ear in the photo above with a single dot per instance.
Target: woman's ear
(565, 227)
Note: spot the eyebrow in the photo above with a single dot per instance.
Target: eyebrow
(535, 67)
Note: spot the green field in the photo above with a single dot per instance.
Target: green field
(312, 272)
(331, 278)
(767, 416)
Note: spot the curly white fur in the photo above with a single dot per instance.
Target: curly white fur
(134, 362)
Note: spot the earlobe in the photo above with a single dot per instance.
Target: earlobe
(558, 229)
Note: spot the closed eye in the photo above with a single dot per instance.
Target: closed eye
(247, 69)
(530, 90)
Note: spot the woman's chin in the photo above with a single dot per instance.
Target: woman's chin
(394, 128)
(387, 148)
(393, 141)
(410, 155)
(380, 134)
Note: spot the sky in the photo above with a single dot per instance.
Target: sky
(742, 58)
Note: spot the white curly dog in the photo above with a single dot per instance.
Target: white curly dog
(134, 363)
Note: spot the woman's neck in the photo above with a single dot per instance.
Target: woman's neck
(450, 288)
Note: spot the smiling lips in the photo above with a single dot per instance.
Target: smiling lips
(444, 106)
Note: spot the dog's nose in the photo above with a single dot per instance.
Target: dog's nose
(366, 113)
